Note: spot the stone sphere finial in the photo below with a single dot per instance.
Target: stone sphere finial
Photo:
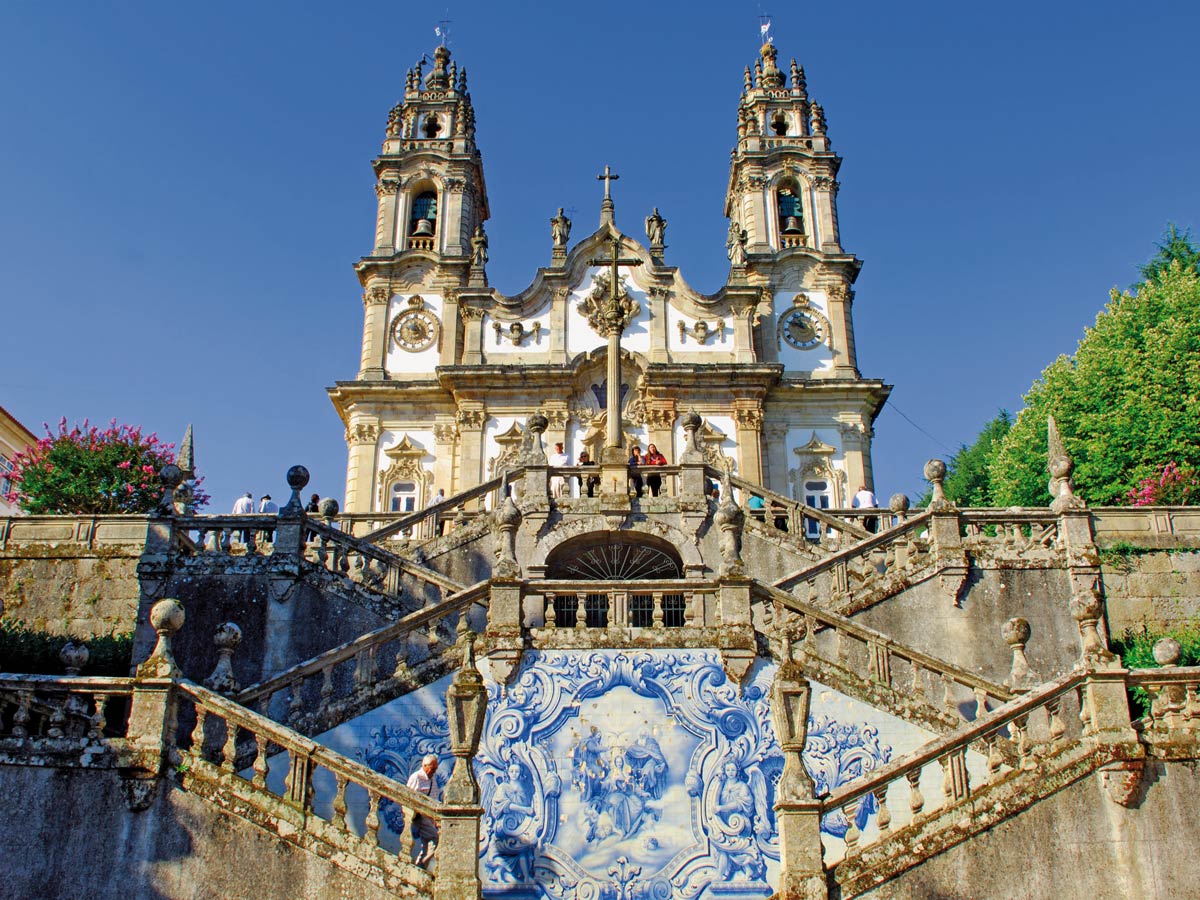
(1167, 652)
(899, 504)
(537, 423)
(691, 420)
(222, 680)
(227, 636)
(167, 616)
(935, 471)
(1085, 606)
(329, 507)
(297, 478)
(1016, 632)
(171, 476)
(73, 656)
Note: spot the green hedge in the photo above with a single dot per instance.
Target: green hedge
(1136, 649)
(28, 652)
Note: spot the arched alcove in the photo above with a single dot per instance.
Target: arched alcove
(614, 556)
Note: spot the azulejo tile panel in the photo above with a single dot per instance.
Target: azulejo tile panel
(631, 775)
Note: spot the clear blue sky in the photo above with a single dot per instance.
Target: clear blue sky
(184, 189)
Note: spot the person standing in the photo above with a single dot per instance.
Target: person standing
(424, 829)
(313, 509)
(635, 460)
(268, 507)
(865, 499)
(592, 481)
(653, 458)
(244, 506)
(558, 459)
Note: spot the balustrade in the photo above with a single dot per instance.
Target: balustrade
(675, 604)
(1173, 695)
(62, 712)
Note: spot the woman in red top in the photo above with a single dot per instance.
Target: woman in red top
(653, 458)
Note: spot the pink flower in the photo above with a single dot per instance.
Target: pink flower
(124, 465)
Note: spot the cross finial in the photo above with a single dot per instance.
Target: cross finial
(442, 30)
(764, 28)
(608, 177)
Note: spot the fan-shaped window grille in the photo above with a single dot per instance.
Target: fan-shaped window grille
(619, 559)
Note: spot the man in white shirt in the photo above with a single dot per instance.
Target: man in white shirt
(244, 506)
(424, 829)
(865, 499)
(268, 507)
(559, 458)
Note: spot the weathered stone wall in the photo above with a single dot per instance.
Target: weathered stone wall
(75, 837)
(70, 590)
(1075, 845)
(1151, 590)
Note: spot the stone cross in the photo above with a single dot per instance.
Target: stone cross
(615, 315)
(606, 207)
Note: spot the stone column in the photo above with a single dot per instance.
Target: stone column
(375, 337)
(748, 415)
(454, 223)
(362, 438)
(445, 439)
(385, 222)
(558, 324)
(776, 460)
(798, 814)
(660, 423)
(450, 350)
(657, 300)
(856, 450)
(823, 191)
(945, 534)
(757, 212)
(471, 416)
(845, 359)
(472, 319)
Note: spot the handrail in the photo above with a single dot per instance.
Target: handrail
(873, 542)
(968, 734)
(372, 551)
(455, 603)
(113, 683)
(321, 755)
(871, 636)
(811, 511)
(442, 506)
(578, 585)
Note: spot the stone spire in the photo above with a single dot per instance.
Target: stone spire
(186, 458)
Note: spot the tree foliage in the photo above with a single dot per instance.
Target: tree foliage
(968, 472)
(1127, 403)
(86, 470)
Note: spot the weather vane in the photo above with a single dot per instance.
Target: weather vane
(442, 30)
(764, 28)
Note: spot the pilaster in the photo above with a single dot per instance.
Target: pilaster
(840, 299)
(387, 191)
(472, 319)
(775, 460)
(362, 438)
(374, 345)
(824, 191)
(748, 416)
(471, 418)
(445, 439)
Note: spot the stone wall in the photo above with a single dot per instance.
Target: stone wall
(76, 837)
(1075, 845)
(1151, 590)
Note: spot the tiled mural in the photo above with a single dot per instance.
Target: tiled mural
(631, 775)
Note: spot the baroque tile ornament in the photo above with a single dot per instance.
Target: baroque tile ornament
(614, 761)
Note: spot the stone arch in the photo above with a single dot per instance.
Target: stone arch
(655, 533)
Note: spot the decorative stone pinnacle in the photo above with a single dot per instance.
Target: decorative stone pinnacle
(1167, 652)
(606, 206)
(73, 656)
(166, 617)
(1016, 632)
(297, 479)
(222, 680)
(935, 474)
(171, 477)
(1060, 466)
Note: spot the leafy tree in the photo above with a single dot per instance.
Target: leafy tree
(1127, 403)
(968, 472)
(86, 470)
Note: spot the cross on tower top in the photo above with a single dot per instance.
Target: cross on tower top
(606, 207)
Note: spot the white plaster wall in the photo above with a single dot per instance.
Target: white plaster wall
(401, 362)
(581, 338)
(499, 345)
(718, 342)
(816, 359)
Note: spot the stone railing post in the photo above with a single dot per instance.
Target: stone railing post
(736, 642)
(691, 459)
(945, 534)
(457, 875)
(152, 715)
(535, 493)
(290, 536)
(798, 813)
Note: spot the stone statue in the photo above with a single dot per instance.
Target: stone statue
(735, 244)
(560, 229)
(656, 228)
(479, 247)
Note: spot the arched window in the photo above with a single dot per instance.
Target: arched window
(816, 495)
(791, 215)
(403, 497)
(423, 220)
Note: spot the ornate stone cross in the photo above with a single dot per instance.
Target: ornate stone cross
(610, 316)
(606, 207)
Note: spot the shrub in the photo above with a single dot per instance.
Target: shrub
(30, 652)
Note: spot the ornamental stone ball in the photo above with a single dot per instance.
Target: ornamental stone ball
(297, 478)
(1167, 652)
(1016, 631)
(899, 503)
(227, 636)
(538, 423)
(171, 475)
(691, 420)
(329, 507)
(167, 616)
(509, 514)
(1085, 606)
(935, 470)
(73, 656)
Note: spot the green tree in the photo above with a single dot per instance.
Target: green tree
(1174, 247)
(968, 473)
(1127, 403)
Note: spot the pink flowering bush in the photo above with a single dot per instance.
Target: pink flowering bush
(1173, 486)
(86, 470)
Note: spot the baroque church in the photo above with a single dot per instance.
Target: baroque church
(451, 368)
(509, 672)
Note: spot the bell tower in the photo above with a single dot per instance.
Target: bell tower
(430, 174)
(781, 181)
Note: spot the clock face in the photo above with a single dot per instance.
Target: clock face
(802, 329)
(415, 330)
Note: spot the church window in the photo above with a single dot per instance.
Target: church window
(595, 607)
(423, 220)
(816, 495)
(403, 497)
(431, 126)
(779, 124)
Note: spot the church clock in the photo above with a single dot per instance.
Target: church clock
(802, 326)
(415, 329)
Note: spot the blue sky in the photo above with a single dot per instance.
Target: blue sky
(184, 189)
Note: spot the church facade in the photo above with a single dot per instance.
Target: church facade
(451, 369)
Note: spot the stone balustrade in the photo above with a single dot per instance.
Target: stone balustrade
(72, 531)
(235, 753)
(1174, 702)
(62, 716)
(599, 604)
(319, 693)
